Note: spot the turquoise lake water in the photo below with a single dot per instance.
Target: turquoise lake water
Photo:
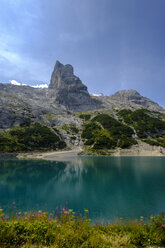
(109, 187)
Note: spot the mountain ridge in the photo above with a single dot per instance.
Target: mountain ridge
(65, 110)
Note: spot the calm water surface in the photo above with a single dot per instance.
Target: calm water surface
(108, 187)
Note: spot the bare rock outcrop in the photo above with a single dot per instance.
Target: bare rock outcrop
(69, 90)
(130, 99)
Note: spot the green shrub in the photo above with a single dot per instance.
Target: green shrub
(104, 132)
(34, 137)
(161, 140)
(74, 129)
(85, 117)
(73, 137)
(90, 130)
(103, 141)
(143, 121)
(26, 122)
(70, 128)
(106, 121)
(151, 142)
(125, 142)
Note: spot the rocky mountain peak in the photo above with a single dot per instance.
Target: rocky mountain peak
(69, 90)
(62, 74)
(130, 96)
(127, 94)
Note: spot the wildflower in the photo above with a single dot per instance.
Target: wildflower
(163, 225)
(86, 210)
(66, 212)
(6, 217)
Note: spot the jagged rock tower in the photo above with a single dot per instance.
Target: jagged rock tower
(70, 91)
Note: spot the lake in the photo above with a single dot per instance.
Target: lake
(109, 187)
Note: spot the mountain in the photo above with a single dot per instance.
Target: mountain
(69, 91)
(130, 99)
(66, 92)
(64, 114)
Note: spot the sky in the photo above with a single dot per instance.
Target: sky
(112, 44)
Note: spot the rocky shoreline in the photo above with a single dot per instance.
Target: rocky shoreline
(141, 149)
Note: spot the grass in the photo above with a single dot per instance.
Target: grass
(64, 228)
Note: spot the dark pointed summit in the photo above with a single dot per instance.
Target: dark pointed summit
(69, 89)
(63, 76)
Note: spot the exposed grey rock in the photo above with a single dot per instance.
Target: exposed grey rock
(66, 92)
(70, 91)
(130, 99)
(19, 102)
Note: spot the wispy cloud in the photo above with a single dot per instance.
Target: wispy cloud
(17, 62)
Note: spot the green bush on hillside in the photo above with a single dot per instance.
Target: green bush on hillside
(27, 138)
(90, 130)
(104, 132)
(151, 142)
(144, 123)
(125, 142)
(161, 140)
(26, 122)
(85, 117)
(70, 128)
(103, 141)
(113, 126)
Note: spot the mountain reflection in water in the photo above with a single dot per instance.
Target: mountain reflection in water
(108, 187)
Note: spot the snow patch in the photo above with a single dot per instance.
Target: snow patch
(41, 86)
(14, 82)
(99, 95)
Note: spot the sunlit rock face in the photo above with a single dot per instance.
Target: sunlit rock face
(130, 99)
(132, 96)
(69, 90)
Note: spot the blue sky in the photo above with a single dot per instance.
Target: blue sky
(112, 44)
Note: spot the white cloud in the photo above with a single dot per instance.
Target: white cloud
(14, 82)
(41, 86)
(99, 95)
(19, 63)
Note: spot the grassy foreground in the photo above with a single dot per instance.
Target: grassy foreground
(64, 228)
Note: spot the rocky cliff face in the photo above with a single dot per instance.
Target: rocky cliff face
(69, 91)
(19, 102)
(66, 92)
(130, 99)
